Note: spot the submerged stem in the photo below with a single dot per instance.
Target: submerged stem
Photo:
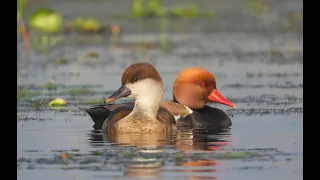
(24, 33)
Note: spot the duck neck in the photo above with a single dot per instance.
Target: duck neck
(147, 103)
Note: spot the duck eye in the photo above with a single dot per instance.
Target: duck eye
(135, 79)
(203, 84)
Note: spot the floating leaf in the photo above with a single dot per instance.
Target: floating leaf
(57, 102)
(46, 20)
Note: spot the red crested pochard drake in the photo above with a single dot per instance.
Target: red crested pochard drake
(143, 83)
(192, 89)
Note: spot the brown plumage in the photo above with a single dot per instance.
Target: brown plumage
(193, 88)
(142, 82)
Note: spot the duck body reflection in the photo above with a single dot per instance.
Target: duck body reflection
(189, 150)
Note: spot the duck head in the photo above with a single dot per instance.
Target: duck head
(195, 86)
(142, 82)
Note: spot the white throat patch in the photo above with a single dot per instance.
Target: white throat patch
(147, 94)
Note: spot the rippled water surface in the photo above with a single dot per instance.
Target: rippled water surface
(261, 72)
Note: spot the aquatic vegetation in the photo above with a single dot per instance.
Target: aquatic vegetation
(86, 24)
(98, 153)
(93, 54)
(61, 61)
(284, 74)
(43, 43)
(154, 8)
(50, 85)
(21, 4)
(261, 112)
(127, 154)
(46, 20)
(60, 86)
(80, 91)
(23, 93)
(57, 102)
(163, 30)
(21, 28)
(233, 155)
(37, 104)
(191, 11)
(275, 52)
(256, 6)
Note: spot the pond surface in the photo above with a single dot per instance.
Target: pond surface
(261, 72)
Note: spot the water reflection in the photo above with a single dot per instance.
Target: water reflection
(202, 139)
(146, 161)
(150, 152)
(185, 139)
(95, 137)
(148, 164)
(152, 140)
(195, 141)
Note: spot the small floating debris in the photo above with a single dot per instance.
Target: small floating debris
(61, 61)
(64, 156)
(93, 54)
(115, 30)
(57, 102)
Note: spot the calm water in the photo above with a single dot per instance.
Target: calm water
(261, 72)
(273, 147)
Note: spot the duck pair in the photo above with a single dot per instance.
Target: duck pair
(150, 113)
